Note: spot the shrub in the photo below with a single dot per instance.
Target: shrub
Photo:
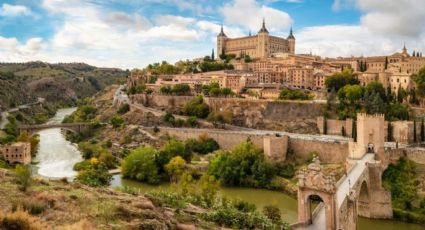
(196, 107)
(124, 108)
(192, 121)
(203, 145)
(272, 212)
(23, 175)
(96, 176)
(21, 220)
(294, 95)
(117, 121)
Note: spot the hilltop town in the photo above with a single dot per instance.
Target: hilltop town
(342, 137)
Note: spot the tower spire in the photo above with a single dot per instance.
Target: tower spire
(222, 31)
(291, 35)
(263, 27)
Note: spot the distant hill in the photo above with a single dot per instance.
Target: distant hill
(21, 83)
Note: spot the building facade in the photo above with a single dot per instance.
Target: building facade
(261, 45)
(19, 152)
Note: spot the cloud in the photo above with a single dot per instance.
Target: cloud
(392, 18)
(175, 20)
(249, 14)
(348, 40)
(8, 10)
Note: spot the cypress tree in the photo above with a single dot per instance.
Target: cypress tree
(343, 131)
(422, 130)
(212, 55)
(386, 62)
(414, 54)
(354, 131)
(414, 131)
(390, 132)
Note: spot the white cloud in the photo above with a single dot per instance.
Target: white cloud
(347, 40)
(8, 10)
(175, 20)
(249, 14)
(392, 18)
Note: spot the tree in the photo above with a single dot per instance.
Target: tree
(140, 164)
(376, 87)
(209, 187)
(181, 89)
(244, 165)
(287, 94)
(325, 125)
(354, 130)
(419, 79)
(95, 176)
(171, 149)
(390, 132)
(422, 130)
(386, 63)
(23, 175)
(175, 168)
(401, 94)
(272, 212)
(34, 140)
(339, 80)
(196, 107)
(117, 121)
(212, 55)
(397, 111)
(203, 145)
(378, 105)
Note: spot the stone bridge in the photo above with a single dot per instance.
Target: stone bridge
(358, 193)
(72, 127)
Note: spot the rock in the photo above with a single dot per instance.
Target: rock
(144, 204)
(192, 209)
(153, 224)
(186, 227)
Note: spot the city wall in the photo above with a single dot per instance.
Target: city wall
(415, 154)
(275, 147)
(402, 131)
(291, 116)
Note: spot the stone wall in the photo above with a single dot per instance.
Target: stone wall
(415, 154)
(291, 116)
(402, 131)
(274, 147)
(334, 127)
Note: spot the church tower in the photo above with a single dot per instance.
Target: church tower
(263, 41)
(221, 43)
(291, 42)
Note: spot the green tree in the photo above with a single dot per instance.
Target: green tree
(272, 212)
(414, 131)
(287, 94)
(422, 130)
(23, 176)
(140, 164)
(181, 89)
(386, 63)
(339, 80)
(117, 121)
(196, 107)
(172, 149)
(354, 130)
(212, 55)
(124, 108)
(397, 111)
(209, 188)
(419, 79)
(175, 168)
(95, 176)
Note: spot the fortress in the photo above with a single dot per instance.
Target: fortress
(261, 45)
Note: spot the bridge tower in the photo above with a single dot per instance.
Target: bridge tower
(314, 185)
(370, 136)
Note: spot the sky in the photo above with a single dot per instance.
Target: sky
(133, 33)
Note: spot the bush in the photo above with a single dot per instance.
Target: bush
(21, 220)
(272, 212)
(96, 176)
(83, 165)
(140, 164)
(23, 175)
(196, 108)
(117, 121)
(124, 108)
(192, 121)
(203, 145)
(286, 94)
(286, 171)
(171, 149)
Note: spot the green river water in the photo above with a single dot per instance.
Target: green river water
(56, 156)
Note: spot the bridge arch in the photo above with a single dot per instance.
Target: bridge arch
(72, 127)
(363, 199)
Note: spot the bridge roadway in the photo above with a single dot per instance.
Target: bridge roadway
(343, 190)
(48, 126)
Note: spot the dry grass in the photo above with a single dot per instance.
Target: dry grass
(20, 219)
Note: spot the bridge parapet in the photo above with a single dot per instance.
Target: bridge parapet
(73, 127)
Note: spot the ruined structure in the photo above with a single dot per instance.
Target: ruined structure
(19, 152)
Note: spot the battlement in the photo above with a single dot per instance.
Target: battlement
(365, 115)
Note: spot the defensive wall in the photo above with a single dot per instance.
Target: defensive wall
(416, 154)
(298, 116)
(275, 144)
(402, 131)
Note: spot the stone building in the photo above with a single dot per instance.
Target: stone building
(19, 152)
(261, 45)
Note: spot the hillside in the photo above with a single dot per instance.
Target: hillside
(58, 83)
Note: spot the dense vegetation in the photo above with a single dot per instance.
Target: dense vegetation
(401, 181)
(287, 94)
(178, 89)
(245, 165)
(207, 64)
(214, 90)
(153, 168)
(196, 107)
(373, 98)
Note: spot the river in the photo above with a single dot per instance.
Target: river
(56, 157)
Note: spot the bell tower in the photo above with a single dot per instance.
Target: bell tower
(291, 42)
